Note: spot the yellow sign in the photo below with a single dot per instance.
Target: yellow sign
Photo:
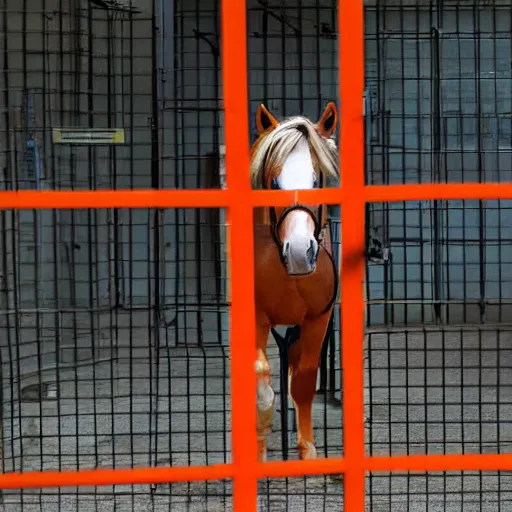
(88, 135)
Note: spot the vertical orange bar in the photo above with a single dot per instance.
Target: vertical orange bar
(240, 219)
(351, 77)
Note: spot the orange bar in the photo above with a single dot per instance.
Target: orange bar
(114, 476)
(207, 198)
(30, 199)
(241, 247)
(351, 70)
(276, 469)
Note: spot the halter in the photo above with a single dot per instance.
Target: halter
(275, 223)
(275, 226)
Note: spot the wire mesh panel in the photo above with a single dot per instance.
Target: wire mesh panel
(438, 110)
(90, 388)
(448, 491)
(115, 321)
(319, 492)
(103, 364)
(440, 391)
(193, 263)
(438, 97)
(284, 41)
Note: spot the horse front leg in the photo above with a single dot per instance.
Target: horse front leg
(264, 392)
(303, 369)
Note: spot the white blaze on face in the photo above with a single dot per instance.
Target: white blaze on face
(298, 173)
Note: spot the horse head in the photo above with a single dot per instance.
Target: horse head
(295, 154)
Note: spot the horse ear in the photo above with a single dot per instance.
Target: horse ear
(264, 120)
(329, 120)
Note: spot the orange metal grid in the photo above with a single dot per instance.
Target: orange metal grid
(240, 201)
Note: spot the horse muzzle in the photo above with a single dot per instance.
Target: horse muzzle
(300, 254)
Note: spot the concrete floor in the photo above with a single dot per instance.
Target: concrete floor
(135, 406)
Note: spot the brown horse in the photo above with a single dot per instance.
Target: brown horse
(295, 275)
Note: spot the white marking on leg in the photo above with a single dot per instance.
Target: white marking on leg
(265, 396)
(264, 399)
(261, 366)
(310, 452)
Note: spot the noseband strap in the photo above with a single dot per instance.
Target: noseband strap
(275, 223)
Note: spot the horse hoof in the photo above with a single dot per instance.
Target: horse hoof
(307, 450)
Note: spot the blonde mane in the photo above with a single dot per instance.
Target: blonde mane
(270, 152)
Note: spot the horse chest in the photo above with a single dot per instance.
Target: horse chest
(288, 300)
(284, 299)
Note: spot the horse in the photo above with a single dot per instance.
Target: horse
(295, 275)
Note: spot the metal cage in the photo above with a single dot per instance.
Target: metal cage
(115, 321)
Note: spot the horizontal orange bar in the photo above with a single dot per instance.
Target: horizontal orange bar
(114, 476)
(275, 469)
(31, 199)
(209, 198)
